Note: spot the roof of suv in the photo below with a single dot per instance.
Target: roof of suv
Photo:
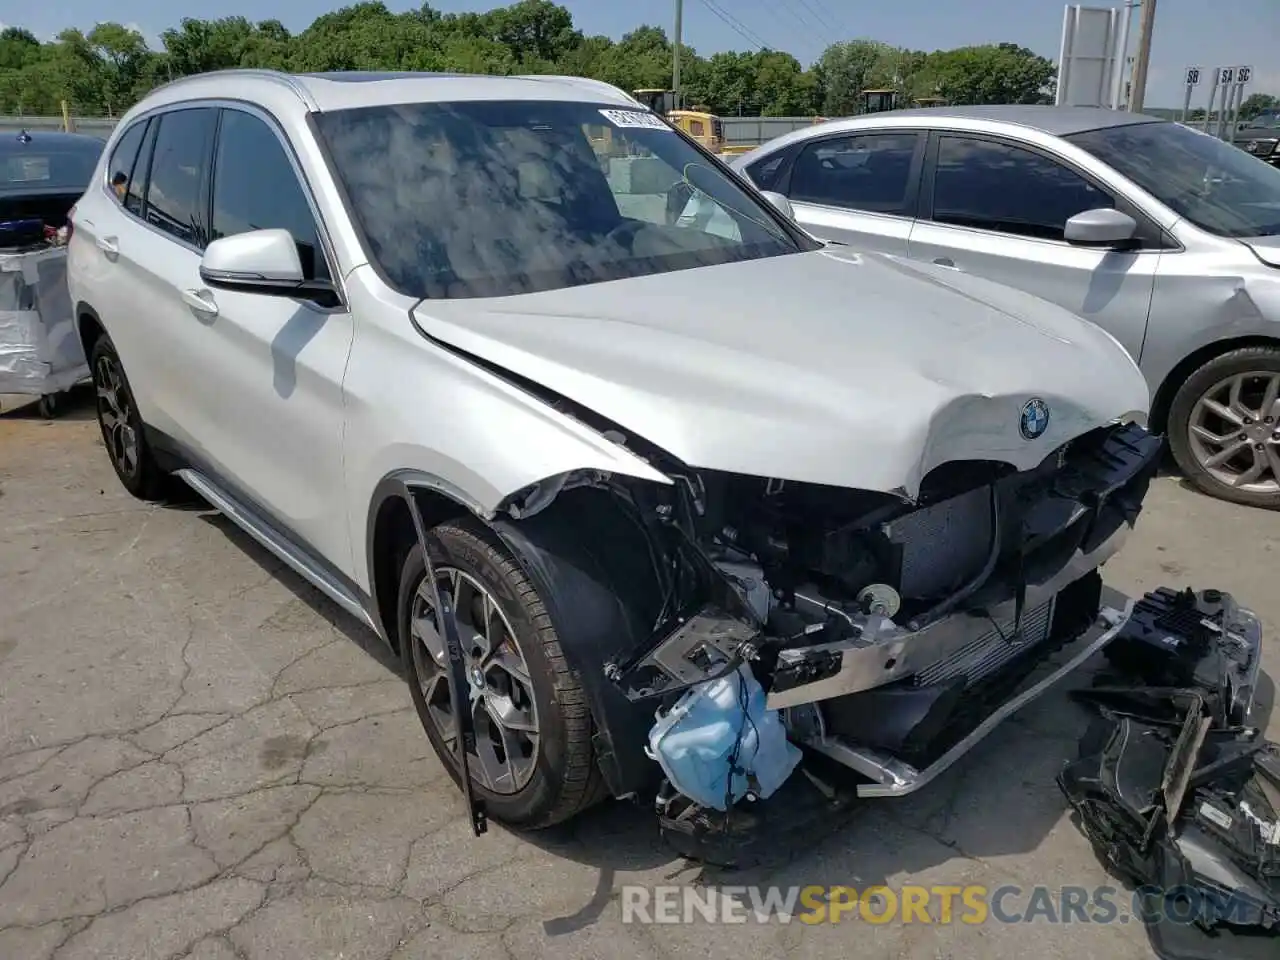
(343, 89)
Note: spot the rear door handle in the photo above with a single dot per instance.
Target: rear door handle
(108, 245)
(945, 262)
(200, 302)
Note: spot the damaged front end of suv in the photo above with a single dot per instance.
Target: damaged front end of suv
(754, 620)
(886, 630)
(782, 558)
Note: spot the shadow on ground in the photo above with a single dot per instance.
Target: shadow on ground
(77, 404)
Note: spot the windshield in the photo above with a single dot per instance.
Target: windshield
(476, 199)
(1269, 119)
(1215, 185)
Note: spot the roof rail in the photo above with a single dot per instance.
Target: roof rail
(275, 76)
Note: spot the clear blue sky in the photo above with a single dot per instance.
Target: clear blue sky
(1203, 32)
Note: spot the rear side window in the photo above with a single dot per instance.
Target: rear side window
(255, 188)
(124, 160)
(870, 172)
(176, 185)
(998, 186)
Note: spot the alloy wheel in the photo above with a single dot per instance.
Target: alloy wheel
(1234, 432)
(114, 411)
(499, 689)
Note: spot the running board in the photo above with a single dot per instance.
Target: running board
(894, 778)
(263, 532)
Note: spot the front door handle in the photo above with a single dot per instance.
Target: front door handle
(108, 245)
(200, 301)
(945, 262)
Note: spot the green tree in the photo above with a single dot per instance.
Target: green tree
(18, 48)
(844, 70)
(995, 73)
(1255, 103)
(641, 60)
(110, 67)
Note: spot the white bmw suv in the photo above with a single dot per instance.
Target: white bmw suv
(654, 438)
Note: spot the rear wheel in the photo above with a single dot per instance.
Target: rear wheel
(1224, 427)
(121, 426)
(534, 765)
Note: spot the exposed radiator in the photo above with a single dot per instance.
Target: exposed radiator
(943, 546)
(989, 652)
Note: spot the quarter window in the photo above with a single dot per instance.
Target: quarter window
(764, 173)
(124, 160)
(869, 172)
(255, 188)
(997, 186)
(176, 184)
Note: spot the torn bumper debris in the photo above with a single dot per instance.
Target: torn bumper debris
(1173, 787)
(1203, 640)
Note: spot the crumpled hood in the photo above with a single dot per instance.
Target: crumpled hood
(833, 367)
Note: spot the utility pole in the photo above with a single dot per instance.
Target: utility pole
(675, 55)
(1142, 58)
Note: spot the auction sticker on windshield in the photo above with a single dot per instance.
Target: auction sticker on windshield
(634, 118)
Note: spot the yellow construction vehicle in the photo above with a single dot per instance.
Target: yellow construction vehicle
(697, 123)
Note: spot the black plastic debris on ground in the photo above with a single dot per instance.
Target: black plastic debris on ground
(805, 810)
(1173, 791)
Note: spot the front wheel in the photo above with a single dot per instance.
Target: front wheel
(1224, 427)
(534, 765)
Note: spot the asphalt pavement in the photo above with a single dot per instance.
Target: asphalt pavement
(201, 757)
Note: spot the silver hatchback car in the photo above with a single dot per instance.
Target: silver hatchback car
(1164, 236)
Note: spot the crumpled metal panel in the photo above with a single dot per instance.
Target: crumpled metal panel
(40, 349)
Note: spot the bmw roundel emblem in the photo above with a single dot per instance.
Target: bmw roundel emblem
(1035, 419)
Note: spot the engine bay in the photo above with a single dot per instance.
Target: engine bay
(754, 568)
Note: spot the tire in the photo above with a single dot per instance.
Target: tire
(563, 776)
(1258, 434)
(121, 426)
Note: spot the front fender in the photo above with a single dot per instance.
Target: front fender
(417, 407)
(1193, 312)
(597, 590)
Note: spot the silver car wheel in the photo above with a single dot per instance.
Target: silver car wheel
(1234, 432)
(114, 415)
(499, 690)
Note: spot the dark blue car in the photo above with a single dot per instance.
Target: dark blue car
(42, 175)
